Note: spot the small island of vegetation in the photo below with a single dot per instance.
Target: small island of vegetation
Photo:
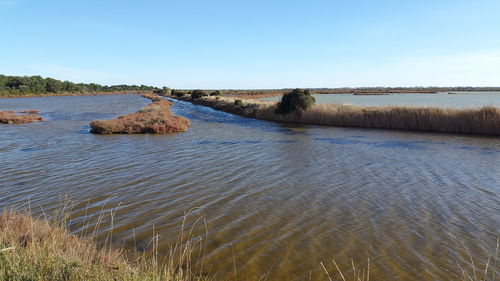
(155, 118)
(20, 117)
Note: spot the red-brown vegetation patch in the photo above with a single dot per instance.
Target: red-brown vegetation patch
(29, 112)
(155, 118)
(12, 117)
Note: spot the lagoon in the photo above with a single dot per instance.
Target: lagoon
(278, 199)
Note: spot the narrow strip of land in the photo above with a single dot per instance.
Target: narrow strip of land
(480, 121)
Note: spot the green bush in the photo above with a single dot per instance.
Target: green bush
(297, 101)
(197, 94)
(216, 93)
(178, 93)
(238, 103)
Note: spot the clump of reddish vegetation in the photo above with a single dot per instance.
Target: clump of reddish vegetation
(20, 117)
(29, 111)
(155, 118)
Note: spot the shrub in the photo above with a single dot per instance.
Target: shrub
(178, 93)
(216, 93)
(238, 102)
(296, 101)
(197, 94)
(166, 90)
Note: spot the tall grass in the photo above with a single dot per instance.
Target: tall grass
(483, 121)
(38, 249)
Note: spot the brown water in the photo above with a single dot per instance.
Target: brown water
(278, 199)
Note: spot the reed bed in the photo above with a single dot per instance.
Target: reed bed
(481, 121)
(155, 118)
(20, 117)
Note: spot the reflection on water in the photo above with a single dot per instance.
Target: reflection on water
(279, 199)
(454, 100)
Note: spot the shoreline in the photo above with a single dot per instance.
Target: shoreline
(41, 248)
(471, 121)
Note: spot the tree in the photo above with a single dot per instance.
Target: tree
(53, 85)
(238, 103)
(197, 94)
(178, 93)
(166, 90)
(296, 101)
(13, 85)
(14, 82)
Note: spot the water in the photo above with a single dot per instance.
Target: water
(277, 199)
(455, 100)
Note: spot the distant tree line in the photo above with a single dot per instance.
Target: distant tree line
(35, 85)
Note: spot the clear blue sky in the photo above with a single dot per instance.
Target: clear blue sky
(254, 44)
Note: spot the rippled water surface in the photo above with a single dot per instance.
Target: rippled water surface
(277, 199)
(453, 100)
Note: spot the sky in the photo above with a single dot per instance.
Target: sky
(258, 44)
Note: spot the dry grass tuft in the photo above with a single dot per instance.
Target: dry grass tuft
(155, 118)
(26, 116)
(39, 250)
(362, 274)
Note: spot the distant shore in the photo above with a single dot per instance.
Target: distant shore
(269, 93)
(75, 94)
